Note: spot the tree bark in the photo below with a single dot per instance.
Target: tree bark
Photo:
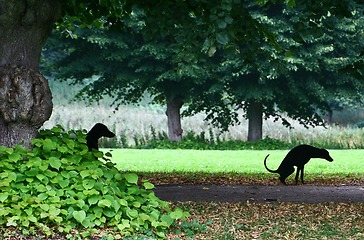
(174, 119)
(255, 116)
(25, 97)
(329, 118)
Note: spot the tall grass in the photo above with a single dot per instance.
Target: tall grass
(132, 124)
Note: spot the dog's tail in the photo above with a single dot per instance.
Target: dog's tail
(265, 165)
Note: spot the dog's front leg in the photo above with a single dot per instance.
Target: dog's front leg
(297, 173)
(302, 174)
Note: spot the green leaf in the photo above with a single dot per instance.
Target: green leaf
(80, 203)
(56, 154)
(43, 196)
(318, 32)
(62, 149)
(144, 217)
(85, 173)
(108, 174)
(64, 183)
(221, 24)
(32, 172)
(15, 157)
(40, 176)
(291, 3)
(55, 162)
(91, 192)
(12, 176)
(57, 129)
(98, 154)
(32, 219)
(222, 38)
(297, 37)
(131, 213)
(211, 51)
(44, 207)
(168, 219)
(131, 178)
(118, 176)
(178, 214)
(277, 47)
(41, 188)
(49, 173)
(54, 211)
(88, 184)
(148, 185)
(124, 224)
(288, 54)
(98, 211)
(109, 213)
(104, 203)
(3, 196)
(213, 18)
(3, 149)
(80, 216)
(98, 172)
(49, 145)
(123, 202)
(94, 199)
(206, 45)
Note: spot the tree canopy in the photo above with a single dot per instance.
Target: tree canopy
(295, 74)
(195, 27)
(295, 83)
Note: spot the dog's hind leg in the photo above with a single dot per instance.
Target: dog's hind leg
(283, 180)
(285, 172)
(299, 169)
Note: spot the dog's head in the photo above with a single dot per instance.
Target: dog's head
(100, 130)
(325, 155)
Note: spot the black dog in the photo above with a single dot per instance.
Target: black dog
(298, 157)
(97, 131)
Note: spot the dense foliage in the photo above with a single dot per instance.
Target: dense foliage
(295, 82)
(61, 183)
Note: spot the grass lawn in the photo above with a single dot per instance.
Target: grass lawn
(213, 220)
(244, 161)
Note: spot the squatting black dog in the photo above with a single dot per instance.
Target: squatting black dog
(96, 132)
(298, 157)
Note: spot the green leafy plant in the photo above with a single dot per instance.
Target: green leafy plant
(62, 183)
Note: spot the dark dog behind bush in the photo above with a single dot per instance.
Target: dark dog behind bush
(96, 132)
(298, 157)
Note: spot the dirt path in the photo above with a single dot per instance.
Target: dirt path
(260, 193)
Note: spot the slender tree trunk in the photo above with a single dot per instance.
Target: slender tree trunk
(174, 119)
(329, 118)
(25, 97)
(255, 115)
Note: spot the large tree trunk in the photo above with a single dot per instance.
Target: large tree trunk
(174, 119)
(25, 97)
(255, 115)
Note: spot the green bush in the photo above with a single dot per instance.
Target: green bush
(61, 183)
